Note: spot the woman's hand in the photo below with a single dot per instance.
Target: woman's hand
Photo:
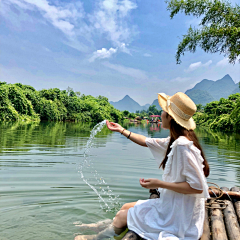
(180, 187)
(150, 183)
(114, 126)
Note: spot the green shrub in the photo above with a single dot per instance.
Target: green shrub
(14, 104)
(221, 115)
(235, 116)
(8, 113)
(225, 106)
(211, 107)
(223, 123)
(49, 110)
(234, 97)
(24, 103)
(19, 100)
(51, 94)
(25, 87)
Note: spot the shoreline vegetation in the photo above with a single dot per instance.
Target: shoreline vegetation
(222, 115)
(19, 102)
(23, 103)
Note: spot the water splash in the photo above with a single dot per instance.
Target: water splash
(112, 203)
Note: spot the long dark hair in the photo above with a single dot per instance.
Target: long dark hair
(176, 131)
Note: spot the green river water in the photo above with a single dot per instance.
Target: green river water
(42, 195)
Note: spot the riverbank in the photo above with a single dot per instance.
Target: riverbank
(23, 103)
(222, 115)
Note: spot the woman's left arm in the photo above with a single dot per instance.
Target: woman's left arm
(180, 187)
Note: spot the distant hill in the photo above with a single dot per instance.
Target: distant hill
(208, 90)
(222, 88)
(203, 92)
(127, 103)
(200, 96)
(146, 106)
(155, 102)
(236, 90)
(205, 84)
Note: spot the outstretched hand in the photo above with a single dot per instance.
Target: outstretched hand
(150, 183)
(114, 126)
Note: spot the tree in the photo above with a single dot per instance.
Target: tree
(132, 115)
(152, 110)
(199, 107)
(219, 28)
(126, 113)
(78, 94)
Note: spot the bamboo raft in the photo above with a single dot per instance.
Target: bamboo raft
(222, 215)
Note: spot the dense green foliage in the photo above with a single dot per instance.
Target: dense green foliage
(152, 110)
(218, 31)
(221, 115)
(23, 102)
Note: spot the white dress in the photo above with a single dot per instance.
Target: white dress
(174, 215)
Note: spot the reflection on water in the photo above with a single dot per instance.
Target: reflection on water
(155, 127)
(223, 153)
(41, 194)
(14, 135)
(152, 129)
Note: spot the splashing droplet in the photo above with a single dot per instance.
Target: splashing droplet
(112, 203)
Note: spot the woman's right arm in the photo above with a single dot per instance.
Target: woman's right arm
(137, 138)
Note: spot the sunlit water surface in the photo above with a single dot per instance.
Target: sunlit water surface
(42, 194)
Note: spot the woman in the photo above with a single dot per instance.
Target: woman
(179, 212)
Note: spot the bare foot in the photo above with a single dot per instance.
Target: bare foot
(96, 227)
(86, 237)
(107, 233)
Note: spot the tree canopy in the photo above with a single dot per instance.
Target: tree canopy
(218, 31)
(223, 115)
(20, 102)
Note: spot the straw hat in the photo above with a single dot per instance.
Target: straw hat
(180, 107)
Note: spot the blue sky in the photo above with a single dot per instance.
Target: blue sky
(102, 47)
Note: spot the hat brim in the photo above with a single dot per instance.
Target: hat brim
(188, 124)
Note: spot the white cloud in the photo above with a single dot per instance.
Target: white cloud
(194, 66)
(103, 53)
(207, 63)
(147, 55)
(22, 4)
(223, 63)
(110, 18)
(180, 79)
(76, 44)
(138, 75)
(124, 49)
(62, 17)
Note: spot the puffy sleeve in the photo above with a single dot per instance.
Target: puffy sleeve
(158, 147)
(192, 169)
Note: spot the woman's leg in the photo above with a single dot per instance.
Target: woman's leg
(117, 227)
(120, 220)
(96, 227)
(126, 206)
